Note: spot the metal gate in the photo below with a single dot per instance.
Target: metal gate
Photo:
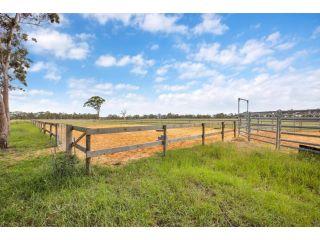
(296, 129)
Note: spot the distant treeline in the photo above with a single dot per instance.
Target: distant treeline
(50, 115)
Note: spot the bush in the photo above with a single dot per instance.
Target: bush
(64, 165)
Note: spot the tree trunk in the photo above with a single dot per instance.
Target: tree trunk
(5, 69)
(5, 95)
(4, 126)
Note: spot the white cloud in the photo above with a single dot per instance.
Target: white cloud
(61, 45)
(191, 70)
(86, 87)
(266, 92)
(162, 70)
(212, 53)
(158, 22)
(154, 47)
(85, 36)
(278, 65)
(254, 50)
(104, 18)
(171, 88)
(52, 71)
(19, 94)
(38, 67)
(150, 22)
(316, 32)
(273, 37)
(40, 92)
(183, 47)
(126, 87)
(211, 23)
(139, 64)
(159, 79)
(286, 45)
(106, 61)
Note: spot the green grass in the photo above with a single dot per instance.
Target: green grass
(213, 185)
(24, 136)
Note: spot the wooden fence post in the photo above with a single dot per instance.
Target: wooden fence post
(165, 140)
(50, 130)
(203, 133)
(234, 129)
(56, 127)
(88, 159)
(68, 139)
(222, 131)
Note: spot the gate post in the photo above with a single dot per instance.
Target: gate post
(165, 140)
(278, 130)
(50, 130)
(88, 159)
(68, 139)
(234, 129)
(222, 131)
(249, 126)
(56, 127)
(239, 118)
(203, 133)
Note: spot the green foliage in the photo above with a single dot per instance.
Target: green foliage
(64, 166)
(12, 48)
(220, 184)
(95, 102)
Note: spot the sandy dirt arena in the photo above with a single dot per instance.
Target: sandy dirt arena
(103, 141)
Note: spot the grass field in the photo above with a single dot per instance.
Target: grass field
(221, 184)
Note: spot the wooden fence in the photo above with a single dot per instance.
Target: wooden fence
(162, 140)
(52, 131)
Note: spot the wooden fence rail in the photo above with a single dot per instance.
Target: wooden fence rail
(163, 140)
(43, 128)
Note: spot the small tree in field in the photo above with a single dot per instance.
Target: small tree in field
(123, 113)
(95, 102)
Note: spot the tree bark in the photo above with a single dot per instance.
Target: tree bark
(5, 69)
(4, 126)
(4, 95)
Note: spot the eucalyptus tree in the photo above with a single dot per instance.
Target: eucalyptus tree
(14, 61)
(95, 102)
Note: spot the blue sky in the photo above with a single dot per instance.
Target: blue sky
(181, 63)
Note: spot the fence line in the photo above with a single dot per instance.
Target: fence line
(280, 125)
(44, 130)
(162, 140)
